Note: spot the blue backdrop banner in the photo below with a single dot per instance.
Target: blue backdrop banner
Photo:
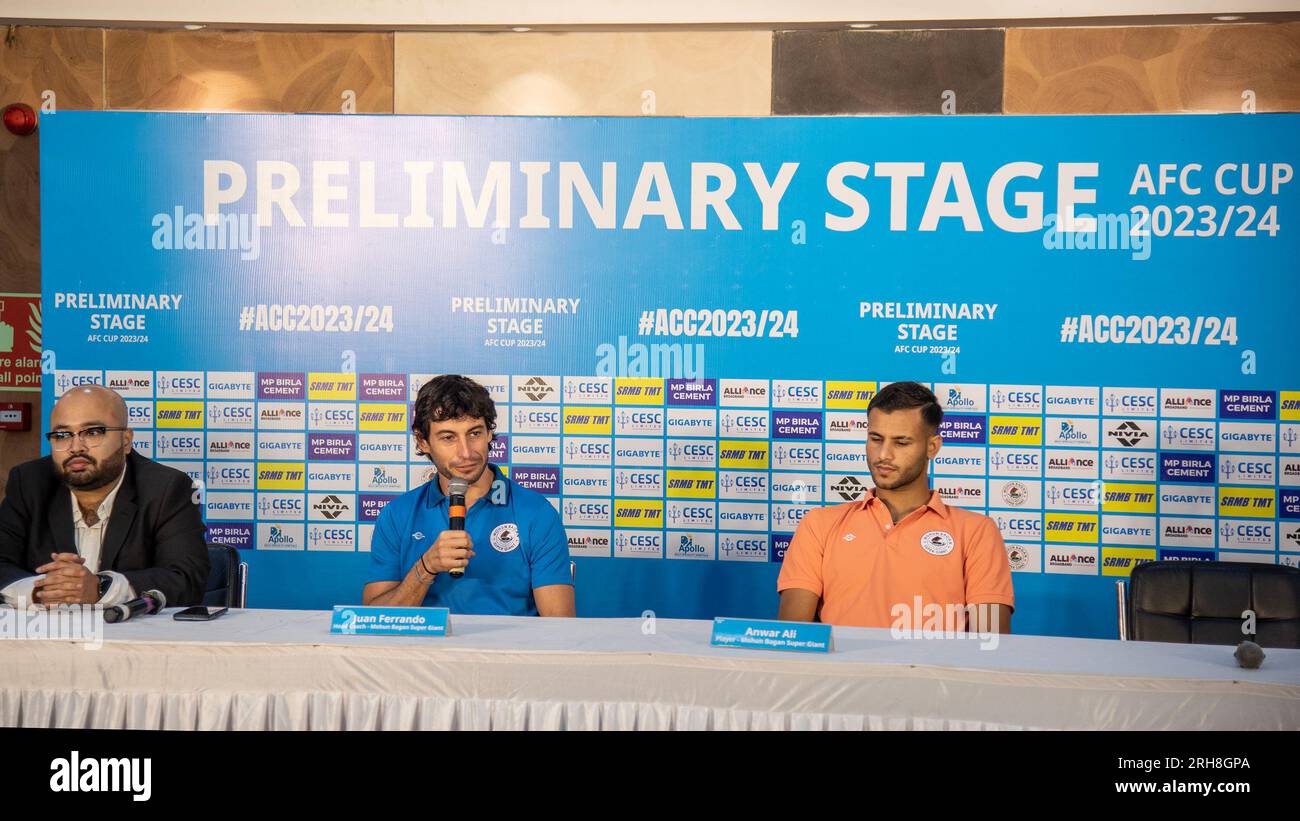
(682, 322)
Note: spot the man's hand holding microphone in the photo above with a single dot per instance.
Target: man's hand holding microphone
(449, 554)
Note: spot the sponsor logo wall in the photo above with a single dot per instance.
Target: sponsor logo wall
(682, 323)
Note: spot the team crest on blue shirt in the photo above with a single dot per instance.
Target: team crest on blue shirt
(937, 543)
(505, 538)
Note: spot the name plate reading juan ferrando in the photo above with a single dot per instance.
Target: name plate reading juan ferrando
(391, 621)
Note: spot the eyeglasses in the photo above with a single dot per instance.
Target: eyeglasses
(92, 437)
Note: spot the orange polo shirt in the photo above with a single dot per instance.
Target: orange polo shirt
(861, 564)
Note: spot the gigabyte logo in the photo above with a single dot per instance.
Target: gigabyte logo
(77, 774)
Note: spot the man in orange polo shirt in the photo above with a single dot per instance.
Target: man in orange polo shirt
(899, 557)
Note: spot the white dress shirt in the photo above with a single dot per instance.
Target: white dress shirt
(89, 540)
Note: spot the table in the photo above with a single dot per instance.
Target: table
(282, 669)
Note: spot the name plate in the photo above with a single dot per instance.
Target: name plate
(391, 621)
(756, 634)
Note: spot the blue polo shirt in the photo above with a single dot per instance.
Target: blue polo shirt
(519, 544)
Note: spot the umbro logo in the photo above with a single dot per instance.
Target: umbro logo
(417, 535)
(848, 537)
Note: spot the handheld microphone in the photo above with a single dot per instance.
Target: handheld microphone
(150, 602)
(456, 490)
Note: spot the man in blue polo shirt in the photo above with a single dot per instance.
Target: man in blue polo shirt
(513, 549)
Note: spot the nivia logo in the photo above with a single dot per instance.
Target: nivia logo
(536, 388)
(331, 507)
(849, 488)
(1128, 433)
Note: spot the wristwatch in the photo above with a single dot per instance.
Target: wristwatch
(105, 582)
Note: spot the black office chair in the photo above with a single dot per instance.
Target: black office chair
(1203, 603)
(227, 577)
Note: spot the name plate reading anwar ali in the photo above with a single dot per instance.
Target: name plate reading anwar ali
(390, 621)
(755, 634)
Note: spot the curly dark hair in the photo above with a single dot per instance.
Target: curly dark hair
(452, 396)
(905, 396)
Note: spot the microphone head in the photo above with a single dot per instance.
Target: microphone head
(457, 487)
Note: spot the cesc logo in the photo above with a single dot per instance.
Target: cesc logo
(590, 450)
(1019, 528)
(1137, 404)
(690, 514)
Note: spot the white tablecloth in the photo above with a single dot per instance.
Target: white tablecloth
(282, 669)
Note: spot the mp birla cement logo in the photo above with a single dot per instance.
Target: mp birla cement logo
(968, 430)
(281, 385)
(1247, 404)
(382, 387)
(236, 535)
(700, 392)
(541, 480)
(796, 425)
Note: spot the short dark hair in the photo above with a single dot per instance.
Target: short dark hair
(452, 396)
(905, 396)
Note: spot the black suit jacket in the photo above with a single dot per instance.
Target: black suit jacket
(155, 534)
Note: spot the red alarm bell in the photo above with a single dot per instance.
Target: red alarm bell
(20, 119)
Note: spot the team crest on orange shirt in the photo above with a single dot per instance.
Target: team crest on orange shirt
(937, 543)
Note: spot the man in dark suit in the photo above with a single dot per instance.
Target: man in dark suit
(102, 523)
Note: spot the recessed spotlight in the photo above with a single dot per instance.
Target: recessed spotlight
(1227, 18)
(862, 25)
(521, 29)
(194, 26)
